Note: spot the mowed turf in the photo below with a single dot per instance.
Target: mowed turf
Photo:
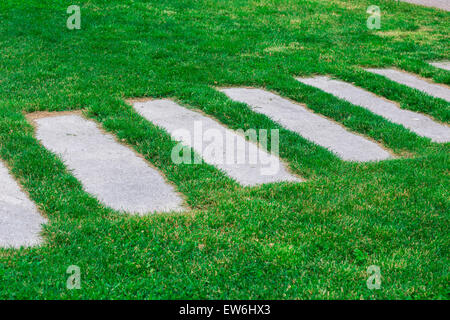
(306, 240)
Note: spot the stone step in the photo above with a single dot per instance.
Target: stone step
(20, 221)
(412, 81)
(108, 170)
(226, 149)
(439, 4)
(416, 122)
(316, 128)
(441, 64)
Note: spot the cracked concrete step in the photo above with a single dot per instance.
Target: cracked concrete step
(407, 79)
(441, 64)
(314, 127)
(216, 144)
(108, 170)
(440, 4)
(20, 220)
(416, 122)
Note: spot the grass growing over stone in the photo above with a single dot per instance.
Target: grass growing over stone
(281, 241)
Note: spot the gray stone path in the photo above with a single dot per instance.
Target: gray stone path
(20, 221)
(208, 138)
(314, 127)
(442, 65)
(110, 171)
(416, 122)
(435, 90)
(440, 4)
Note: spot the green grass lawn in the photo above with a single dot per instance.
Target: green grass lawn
(311, 240)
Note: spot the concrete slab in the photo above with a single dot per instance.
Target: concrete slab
(415, 82)
(439, 4)
(443, 64)
(20, 221)
(316, 128)
(232, 153)
(416, 122)
(110, 171)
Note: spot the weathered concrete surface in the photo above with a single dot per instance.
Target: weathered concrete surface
(309, 125)
(443, 64)
(204, 134)
(416, 122)
(412, 81)
(20, 221)
(440, 4)
(107, 169)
